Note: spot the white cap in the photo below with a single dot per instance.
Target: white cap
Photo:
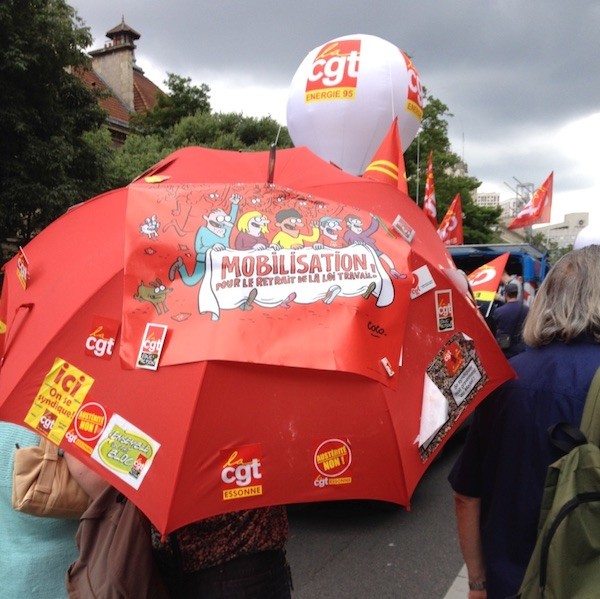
(587, 236)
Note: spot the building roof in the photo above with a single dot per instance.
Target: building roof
(117, 111)
(122, 27)
(145, 92)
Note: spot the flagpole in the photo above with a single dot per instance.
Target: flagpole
(418, 157)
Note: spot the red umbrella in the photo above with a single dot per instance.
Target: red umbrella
(341, 379)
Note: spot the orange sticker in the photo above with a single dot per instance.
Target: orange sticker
(332, 459)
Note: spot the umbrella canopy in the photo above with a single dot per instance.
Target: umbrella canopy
(200, 375)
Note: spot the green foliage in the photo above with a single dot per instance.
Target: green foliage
(479, 224)
(136, 156)
(183, 100)
(543, 244)
(223, 131)
(46, 163)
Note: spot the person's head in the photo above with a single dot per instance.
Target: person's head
(511, 292)
(567, 303)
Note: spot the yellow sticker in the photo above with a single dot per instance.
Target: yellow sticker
(58, 399)
(156, 178)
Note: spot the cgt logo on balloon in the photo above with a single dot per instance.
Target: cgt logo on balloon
(344, 96)
(334, 72)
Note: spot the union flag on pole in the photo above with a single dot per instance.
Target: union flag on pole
(387, 164)
(537, 210)
(486, 279)
(429, 206)
(451, 227)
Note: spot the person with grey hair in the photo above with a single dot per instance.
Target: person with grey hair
(499, 476)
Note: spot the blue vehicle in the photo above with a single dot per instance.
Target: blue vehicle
(526, 262)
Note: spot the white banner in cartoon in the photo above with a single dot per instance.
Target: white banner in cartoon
(270, 279)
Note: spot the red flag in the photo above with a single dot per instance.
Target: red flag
(387, 164)
(537, 210)
(429, 206)
(451, 227)
(485, 280)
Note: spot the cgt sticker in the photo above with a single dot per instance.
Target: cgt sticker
(445, 310)
(101, 341)
(22, 268)
(126, 451)
(151, 346)
(241, 473)
(332, 459)
(423, 282)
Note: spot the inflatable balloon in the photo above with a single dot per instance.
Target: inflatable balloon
(344, 96)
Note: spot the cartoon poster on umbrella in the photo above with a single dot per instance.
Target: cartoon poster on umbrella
(263, 274)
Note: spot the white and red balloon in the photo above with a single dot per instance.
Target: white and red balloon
(345, 95)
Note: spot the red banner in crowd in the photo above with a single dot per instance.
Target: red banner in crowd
(451, 227)
(537, 210)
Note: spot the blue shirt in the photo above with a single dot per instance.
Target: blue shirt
(509, 319)
(34, 552)
(507, 452)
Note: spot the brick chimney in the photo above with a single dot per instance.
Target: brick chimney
(115, 62)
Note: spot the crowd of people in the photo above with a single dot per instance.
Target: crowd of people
(498, 478)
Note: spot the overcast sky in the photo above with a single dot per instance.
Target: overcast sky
(521, 77)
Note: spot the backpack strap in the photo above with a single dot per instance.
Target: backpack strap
(590, 422)
(566, 437)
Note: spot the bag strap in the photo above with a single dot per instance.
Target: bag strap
(48, 469)
(590, 422)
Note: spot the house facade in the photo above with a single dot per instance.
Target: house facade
(123, 89)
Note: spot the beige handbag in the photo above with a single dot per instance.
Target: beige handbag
(43, 485)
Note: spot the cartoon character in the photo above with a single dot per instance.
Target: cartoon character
(138, 466)
(150, 227)
(155, 293)
(181, 215)
(356, 234)
(330, 232)
(252, 227)
(289, 221)
(215, 234)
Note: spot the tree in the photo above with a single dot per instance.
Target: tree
(224, 131)
(479, 223)
(183, 99)
(46, 162)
